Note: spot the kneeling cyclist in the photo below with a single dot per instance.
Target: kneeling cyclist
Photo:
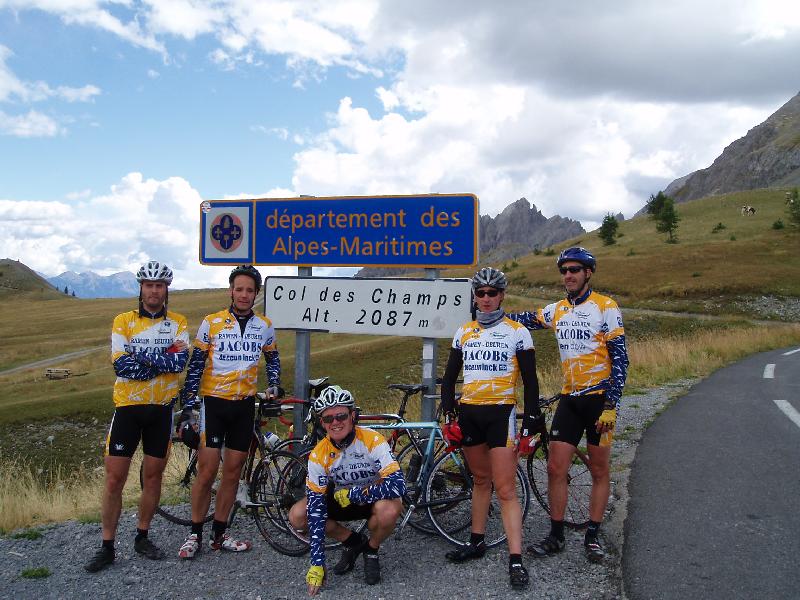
(352, 475)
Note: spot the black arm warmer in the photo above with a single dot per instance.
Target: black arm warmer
(454, 363)
(527, 369)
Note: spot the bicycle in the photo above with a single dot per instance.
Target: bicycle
(579, 478)
(442, 487)
(181, 468)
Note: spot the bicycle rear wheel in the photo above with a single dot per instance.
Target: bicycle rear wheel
(579, 482)
(176, 486)
(449, 491)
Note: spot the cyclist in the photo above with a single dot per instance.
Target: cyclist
(495, 352)
(594, 360)
(149, 348)
(352, 475)
(223, 371)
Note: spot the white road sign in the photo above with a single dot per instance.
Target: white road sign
(432, 308)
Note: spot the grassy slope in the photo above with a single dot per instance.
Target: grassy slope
(642, 270)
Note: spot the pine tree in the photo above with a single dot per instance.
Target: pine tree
(608, 230)
(793, 207)
(667, 220)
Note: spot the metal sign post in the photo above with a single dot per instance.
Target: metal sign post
(429, 359)
(302, 365)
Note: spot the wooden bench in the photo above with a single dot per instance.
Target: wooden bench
(57, 373)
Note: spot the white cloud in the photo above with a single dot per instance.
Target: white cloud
(279, 132)
(31, 124)
(137, 220)
(13, 88)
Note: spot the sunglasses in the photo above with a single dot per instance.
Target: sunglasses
(571, 269)
(490, 293)
(340, 417)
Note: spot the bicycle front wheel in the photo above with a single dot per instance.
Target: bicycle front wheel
(579, 484)
(449, 494)
(176, 486)
(279, 481)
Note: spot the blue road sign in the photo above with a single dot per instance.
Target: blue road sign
(439, 230)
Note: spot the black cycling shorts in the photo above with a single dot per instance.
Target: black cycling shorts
(576, 415)
(352, 512)
(150, 423)
(492, 424)
(228, 422)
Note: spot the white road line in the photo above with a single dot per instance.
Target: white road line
(769, 371)
(789, 411)
(791, 352)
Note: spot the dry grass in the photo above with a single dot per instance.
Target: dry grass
(27, 499)
(658, 361)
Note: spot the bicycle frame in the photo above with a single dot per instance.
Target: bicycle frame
(426, 466)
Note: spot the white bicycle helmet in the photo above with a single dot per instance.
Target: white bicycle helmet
(332, 395)
(491, 277)
(154, 271)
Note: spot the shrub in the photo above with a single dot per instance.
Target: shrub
(36, 573)
(27, 534)
(778, 224)
(718, 227)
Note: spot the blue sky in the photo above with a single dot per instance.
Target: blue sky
(118, 117)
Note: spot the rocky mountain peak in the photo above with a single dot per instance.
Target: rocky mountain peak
(768, 156)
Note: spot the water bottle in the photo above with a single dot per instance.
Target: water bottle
(270, 440)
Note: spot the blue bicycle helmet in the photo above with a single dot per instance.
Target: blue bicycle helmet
(578, 254)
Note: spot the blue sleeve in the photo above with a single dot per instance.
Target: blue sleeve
(197, 364)
(129, 367)
(619, 368)
(273, 367)
(317, 515)
(163, 362)
(392, 486)
(528, 319)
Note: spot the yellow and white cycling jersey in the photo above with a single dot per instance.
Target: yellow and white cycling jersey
(491, 369)
(365, 461)
(133, 334)
(231, 369)
(583, 332)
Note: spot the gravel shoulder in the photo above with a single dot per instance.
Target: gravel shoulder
(413, 565)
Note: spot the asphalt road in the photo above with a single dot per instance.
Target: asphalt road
(714, 492)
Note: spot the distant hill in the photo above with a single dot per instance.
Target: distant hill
(520, 229)
(92, 285)
(767, 157)
(16, 278)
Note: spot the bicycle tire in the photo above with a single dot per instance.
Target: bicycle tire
(278, 482)
(579, 482)
(180, 471)
(451, 476)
